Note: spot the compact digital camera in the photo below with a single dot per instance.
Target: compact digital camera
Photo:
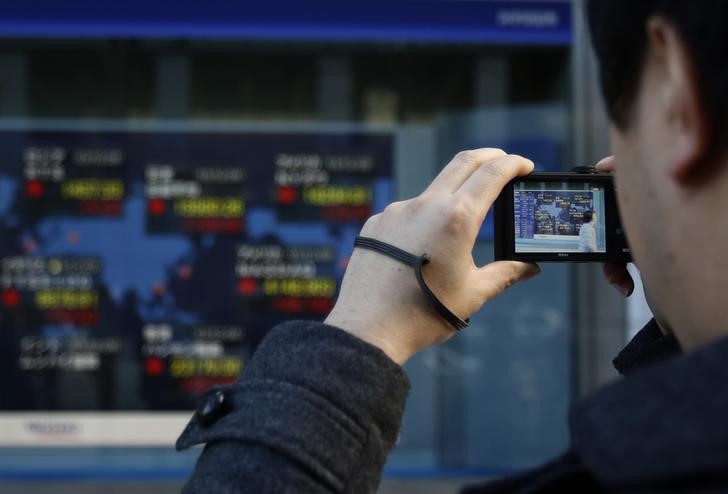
(560, 216)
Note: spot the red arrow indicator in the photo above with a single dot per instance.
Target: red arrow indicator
(154, 366)
(34, 189)
(287, 195)
(11, 298)
(247, 286)
(156, 207)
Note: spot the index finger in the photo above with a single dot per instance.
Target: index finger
(482, 188)
(460, 168)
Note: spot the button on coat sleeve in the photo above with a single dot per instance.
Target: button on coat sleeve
(316, 410)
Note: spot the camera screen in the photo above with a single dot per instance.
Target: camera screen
(553, 217)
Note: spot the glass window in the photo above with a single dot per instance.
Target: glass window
(154, 193)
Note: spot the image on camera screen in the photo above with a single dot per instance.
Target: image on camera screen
(559, 217)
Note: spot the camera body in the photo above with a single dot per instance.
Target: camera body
(560, 216)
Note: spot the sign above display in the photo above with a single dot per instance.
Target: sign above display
(417, 21)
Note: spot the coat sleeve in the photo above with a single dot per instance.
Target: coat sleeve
(316, 410)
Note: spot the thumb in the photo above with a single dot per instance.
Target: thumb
(605, 164)
(497, 276)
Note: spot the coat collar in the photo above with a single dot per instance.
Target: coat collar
(665, 422)
(648, 347)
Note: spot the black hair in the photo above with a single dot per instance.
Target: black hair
(619, 36)
(587, 215)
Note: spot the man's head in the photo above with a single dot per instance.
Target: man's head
(663, 70)
(587, 216)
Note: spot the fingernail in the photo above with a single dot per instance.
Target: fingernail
(533, 270)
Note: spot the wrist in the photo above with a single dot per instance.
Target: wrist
(376, 334)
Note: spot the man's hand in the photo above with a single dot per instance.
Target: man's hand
(616, 274)
(380, 301)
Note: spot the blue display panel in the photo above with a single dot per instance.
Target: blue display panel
(506, 22)
(139, 268)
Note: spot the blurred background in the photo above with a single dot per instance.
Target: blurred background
(178, 177)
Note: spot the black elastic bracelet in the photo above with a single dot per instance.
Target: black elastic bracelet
(417, 263)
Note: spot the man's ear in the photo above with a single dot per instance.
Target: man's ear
(688, 122)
